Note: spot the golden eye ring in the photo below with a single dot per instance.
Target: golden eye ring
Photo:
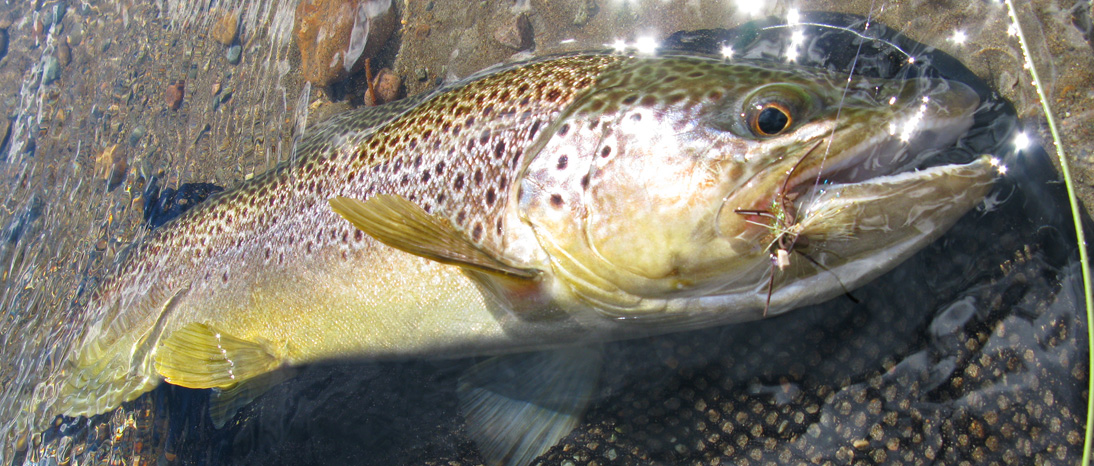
(770, 119)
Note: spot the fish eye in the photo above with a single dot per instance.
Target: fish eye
(769, 119)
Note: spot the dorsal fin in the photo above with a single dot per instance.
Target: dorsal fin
(404, 225)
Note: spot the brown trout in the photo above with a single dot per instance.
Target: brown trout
(557, 202)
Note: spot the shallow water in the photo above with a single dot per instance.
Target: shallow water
(973, 350)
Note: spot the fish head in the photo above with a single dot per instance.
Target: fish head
(696, 191)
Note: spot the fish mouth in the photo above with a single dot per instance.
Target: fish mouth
(909, 145)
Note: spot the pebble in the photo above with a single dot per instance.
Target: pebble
(64, 53)
(323, 29)
(234, 52)
(53, 15)
(387, 85)
(174, 94)
(516, 33)
(421, 74)
(111, 165)
(51, 71)
(5, 133)
(136, 134)
(586, 9)
(226, 29)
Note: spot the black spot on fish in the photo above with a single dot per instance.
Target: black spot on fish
(630, 99)
(556, 200)
(533, 130)
(564, 129)
(461, 217)
(562, 162)
(476, 233)
(585, 181)
(497, 227)
(484, 137)
(458, 182)
(499, 150)
(491, 196)
(606, 151)
(439, 168)
(478, 176)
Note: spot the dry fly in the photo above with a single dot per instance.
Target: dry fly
(783, 215)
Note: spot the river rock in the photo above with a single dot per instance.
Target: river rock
(336, 36)
(226, 29)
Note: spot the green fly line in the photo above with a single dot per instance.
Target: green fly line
(1075, 211)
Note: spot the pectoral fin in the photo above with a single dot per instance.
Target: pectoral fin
(519, 406)
(200, 356)
(403, 225)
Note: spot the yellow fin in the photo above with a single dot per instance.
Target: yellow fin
(199, 356)
(403, 225)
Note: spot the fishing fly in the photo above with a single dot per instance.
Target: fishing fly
(783, 215)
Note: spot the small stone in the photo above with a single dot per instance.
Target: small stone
(387, 85)
(5, 133)
(234, 52)
(226, 29)
(135, 135)
(51, 71)
(516, 34)
(421, 74)
(586, 9)
(111, 165)
(336, 36)
(38, 31)
(55, 14)
(64, 53)
(174, 95)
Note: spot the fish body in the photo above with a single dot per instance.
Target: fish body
(562, 201)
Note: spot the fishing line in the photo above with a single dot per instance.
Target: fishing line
(847, 84)
(1065, 172)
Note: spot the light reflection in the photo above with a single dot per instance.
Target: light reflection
(998, 164)
(797, 38)
(750, 7)
(959, 37)
(727, 52)
(619, 45)
(646, 45)
(793, 17)
(1021, 141)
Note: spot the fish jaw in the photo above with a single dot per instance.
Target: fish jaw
(666, 231)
